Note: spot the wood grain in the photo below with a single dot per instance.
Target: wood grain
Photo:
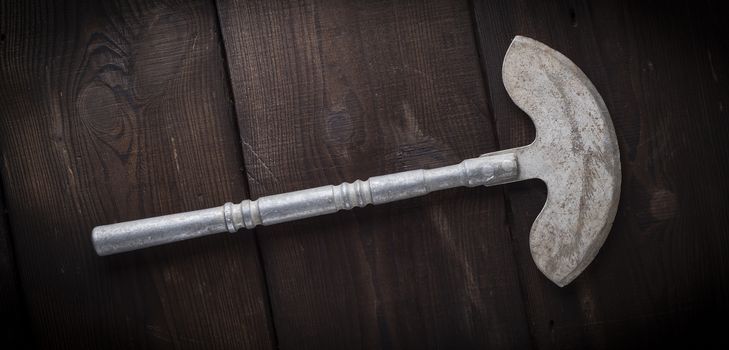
(116, 111)
(330, 91)
(661, 278)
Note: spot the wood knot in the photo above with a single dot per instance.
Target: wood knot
(339, 128)
(662, 205)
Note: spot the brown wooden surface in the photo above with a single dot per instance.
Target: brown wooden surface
(121, 110)
(329, 92)
(662, 276)
(115, 112)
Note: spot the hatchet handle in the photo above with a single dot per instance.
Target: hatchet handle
(486, 170)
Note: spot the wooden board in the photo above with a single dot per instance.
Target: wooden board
(115, 112)
(329, 92)
(662, 276)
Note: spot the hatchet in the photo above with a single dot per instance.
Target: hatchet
(575, 153)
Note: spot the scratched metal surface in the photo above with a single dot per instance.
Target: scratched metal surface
(575, 153)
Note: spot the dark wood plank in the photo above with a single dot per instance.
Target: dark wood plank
(13, 318)
(663, 70)
(330, 91)
(115, 111)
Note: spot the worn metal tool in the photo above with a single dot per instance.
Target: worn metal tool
(575, 153)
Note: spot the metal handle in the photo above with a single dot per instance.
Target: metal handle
(486, 170)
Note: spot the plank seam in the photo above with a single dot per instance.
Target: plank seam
(504, 191)
(246, 186)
